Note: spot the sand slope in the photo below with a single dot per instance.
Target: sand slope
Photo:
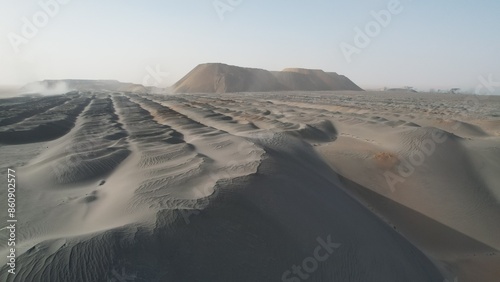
(222, 78)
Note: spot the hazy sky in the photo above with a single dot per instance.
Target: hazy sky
(426, 44)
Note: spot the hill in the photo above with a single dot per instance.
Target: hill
(222, 78)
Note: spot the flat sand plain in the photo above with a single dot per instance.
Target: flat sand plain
(389, 186)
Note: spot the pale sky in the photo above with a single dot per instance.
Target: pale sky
(425, 44)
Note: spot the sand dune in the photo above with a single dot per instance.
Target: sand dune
(238, 187)
(46, 122)
(222, 78)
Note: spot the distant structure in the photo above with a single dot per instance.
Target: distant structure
(222, 78)
(404, 89)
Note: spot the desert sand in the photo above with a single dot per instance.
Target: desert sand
(389, 186)
(57, 86)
